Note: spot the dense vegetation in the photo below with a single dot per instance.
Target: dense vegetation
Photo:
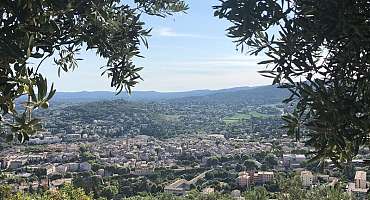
(67, 192)
(33, 31)
(319, 50)
(288, 189)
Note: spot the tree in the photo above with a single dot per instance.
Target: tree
(349, 172)
(109, 191)
(33, 31)
(238, 167)
(87, 156)
(258, 193)
(250, 165)
(319, 51)
(270, 161)
(212, 161)
(67, 192)
(89, 183)
(291, 188)
(5, 191)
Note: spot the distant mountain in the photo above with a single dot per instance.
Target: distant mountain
(253, 95)
(80, 97)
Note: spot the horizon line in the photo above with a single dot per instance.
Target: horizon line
(167, 91)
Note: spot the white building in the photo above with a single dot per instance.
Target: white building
(208, 190)
(360, 179)
(293, 160)
(236, 194)
(49, 169)
(307, 178)
(45, 140)
(61, 169)
(244, 180)
(358, 189)
(15, 164)
(72, 167)
(179, 187)
(263, 177)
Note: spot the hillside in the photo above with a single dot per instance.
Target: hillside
(253, 96)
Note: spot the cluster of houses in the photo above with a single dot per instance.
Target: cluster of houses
(142, 155)
(247, 179)
(357, 189)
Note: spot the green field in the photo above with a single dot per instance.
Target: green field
(245, 116)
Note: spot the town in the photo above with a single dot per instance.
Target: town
(184, 100)
(134, 164)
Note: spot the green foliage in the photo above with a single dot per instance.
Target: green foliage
(33, 31)
(193, 195)
(87, 156)
(67, 192)
(325, 193)
(109, 192)
(258, 193)
(245, 116)
(250, 165)
(89, 183)
(291, 189)
(319, 50)
(212, 161)
(5, 191)
(270, 161)
(349, 172)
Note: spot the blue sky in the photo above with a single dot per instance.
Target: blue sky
(186, 52)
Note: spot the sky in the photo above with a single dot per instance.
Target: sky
(186, 52)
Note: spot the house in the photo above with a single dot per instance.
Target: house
(293, 160)
(236, 194)
(59, 182)
(61, 169)
(143, 169)
(15, 164)
(72, 167)
(208, 190)
(244, 180)
(263, 177)
(306, 178)
(360, 179)
(85, 167)
(358, 189)
(178, 187)
(50, 169)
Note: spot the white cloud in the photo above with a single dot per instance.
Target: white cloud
(203, 73)
(210, 63)
(168, 80)
(169, 32)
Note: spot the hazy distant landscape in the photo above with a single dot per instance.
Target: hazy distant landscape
(232, 94)
(229, 111)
